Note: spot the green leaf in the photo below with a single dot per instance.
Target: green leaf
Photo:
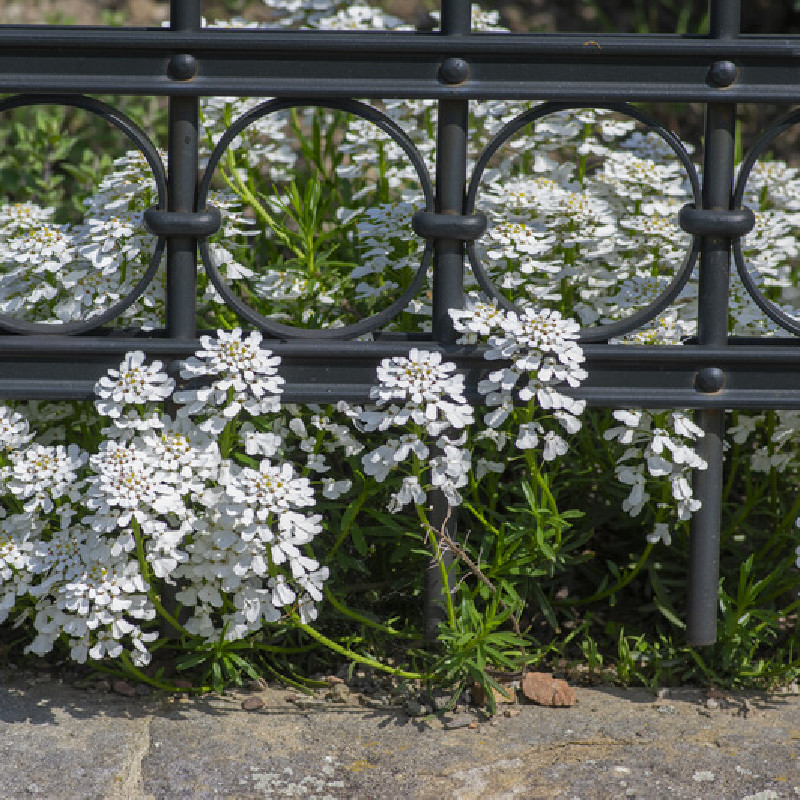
(359, 542)
(191, 660)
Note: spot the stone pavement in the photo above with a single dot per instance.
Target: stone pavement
(61, 742)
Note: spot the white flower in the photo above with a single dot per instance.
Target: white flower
(132, 384)
(246, 376)
(432, 395)
(126, 486)
(40, 474)
(272, 489)
(14, 429)
(410, 492)
(667, 451)
(333, 489)
(554, 446)
(661, 533)
(528, 435)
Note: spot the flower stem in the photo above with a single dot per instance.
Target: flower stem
(131, 671)
(348, 612)
(620, 584)
(144, 568)
(357, 657)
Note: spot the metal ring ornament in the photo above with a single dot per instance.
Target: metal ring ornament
(279, 329)
(150, 152)
(596, 333)
(761, 144)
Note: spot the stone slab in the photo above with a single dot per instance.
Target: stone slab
(60, 742)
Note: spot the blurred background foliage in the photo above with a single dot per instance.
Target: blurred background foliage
(689, 17)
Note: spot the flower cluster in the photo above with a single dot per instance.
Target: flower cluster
(542, 355)
(658, 447)
(424, 396)
(243, 378)
(94, 535)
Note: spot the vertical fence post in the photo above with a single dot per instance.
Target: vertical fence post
(185, 15)
(712, 317)
(448, 267)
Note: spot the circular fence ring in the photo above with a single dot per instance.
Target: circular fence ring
(146, 147)
(278, 329)
(760, 145)
(596, 333)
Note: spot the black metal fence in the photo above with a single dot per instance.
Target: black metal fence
(715, 372)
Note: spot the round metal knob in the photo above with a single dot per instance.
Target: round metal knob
(709, 380)
(182, 67)
(723, 74)
(454, 70)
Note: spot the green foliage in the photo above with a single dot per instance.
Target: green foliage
(218, 664)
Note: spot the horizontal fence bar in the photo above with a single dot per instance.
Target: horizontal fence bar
(329, 371)
(567, 67)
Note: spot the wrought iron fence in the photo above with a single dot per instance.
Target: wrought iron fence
(453, 66)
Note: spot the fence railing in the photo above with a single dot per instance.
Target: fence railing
(453, 66)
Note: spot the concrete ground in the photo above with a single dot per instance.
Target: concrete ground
(58, 741)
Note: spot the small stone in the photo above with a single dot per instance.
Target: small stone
(124, 688)
(458, 721)
(544, 689)
(258, 685)
(665, 709)
(511, 712)
(712, 703)
(663, 694)
(441, 700)
(333, 680)
(252, 703)
(339, 693)
(473, 726)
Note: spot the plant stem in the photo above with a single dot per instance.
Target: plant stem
(144, 568)
(620, 584)
(348, 612)
(357, 657)
(142, 677)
